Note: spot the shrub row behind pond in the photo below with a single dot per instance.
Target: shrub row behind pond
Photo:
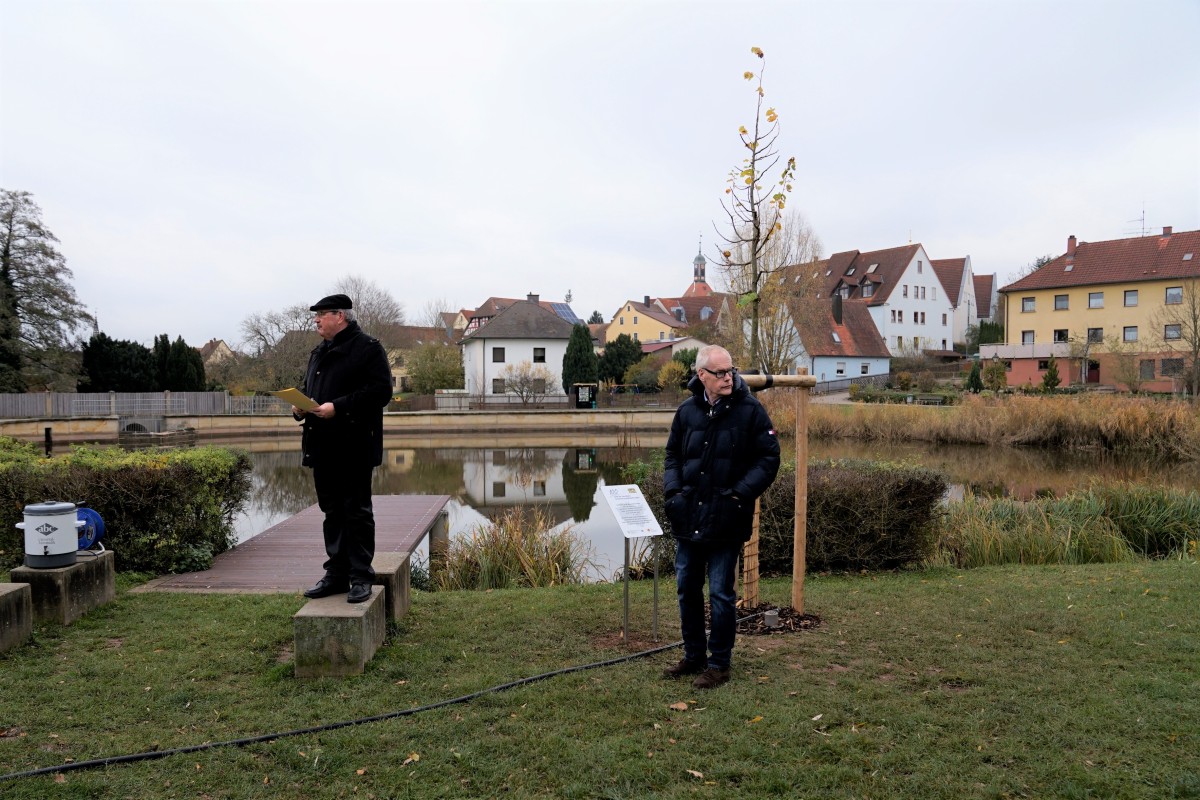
(861, 514)
(163, 511)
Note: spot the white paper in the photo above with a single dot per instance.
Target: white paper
(632, 511)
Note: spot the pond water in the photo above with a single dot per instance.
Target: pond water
(566, 480)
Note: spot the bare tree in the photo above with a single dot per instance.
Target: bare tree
(787, 303)
(1126, 358)
(528, 381)
(1177, 325)
(264, 331)
(375, 307)
(753, 209)
(431, 313)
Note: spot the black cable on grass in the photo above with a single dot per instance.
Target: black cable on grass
(332, 726)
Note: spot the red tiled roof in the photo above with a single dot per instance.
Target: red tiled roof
(983, 295)
(950, 273)
(890, 266)
(1143, 258)
(856, 334)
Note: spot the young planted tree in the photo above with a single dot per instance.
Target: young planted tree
(754, 201)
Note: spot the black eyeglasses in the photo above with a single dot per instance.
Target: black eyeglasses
(720, 374)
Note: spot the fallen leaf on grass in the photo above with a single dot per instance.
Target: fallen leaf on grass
(678, 706)
(412, 758)
(695, 774)
(360, 771)
(756, 719)
(817, 717)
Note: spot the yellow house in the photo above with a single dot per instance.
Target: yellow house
(644, 322)
(1109, 312)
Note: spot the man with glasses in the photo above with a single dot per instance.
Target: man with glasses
(349, 378)
(722, 453)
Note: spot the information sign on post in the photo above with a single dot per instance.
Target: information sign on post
(636, 520)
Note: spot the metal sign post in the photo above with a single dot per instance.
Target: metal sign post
(637, 521)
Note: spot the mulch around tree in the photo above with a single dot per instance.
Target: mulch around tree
(752, 620)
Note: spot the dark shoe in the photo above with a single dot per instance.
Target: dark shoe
(711, 678)
(684, 667)
(325, 587)
(359, 593)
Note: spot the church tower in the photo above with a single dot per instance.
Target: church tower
(699, 286)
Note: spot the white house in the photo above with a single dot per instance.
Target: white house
(524, 333)
(901, 290)
(958, 282)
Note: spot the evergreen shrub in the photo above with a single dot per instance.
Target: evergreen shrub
(163, 511)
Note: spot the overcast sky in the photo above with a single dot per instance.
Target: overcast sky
(204, 160)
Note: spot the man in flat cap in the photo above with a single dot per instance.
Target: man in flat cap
(349, 378)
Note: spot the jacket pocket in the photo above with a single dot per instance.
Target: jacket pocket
(676, 509)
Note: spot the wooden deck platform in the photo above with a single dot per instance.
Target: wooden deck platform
(288, 557)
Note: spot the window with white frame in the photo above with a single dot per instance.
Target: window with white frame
(1095, 299)
(1131, 297)
(1174, 295)
(841, 368)
(1028, 305)
(1026, 337)
(1062, 302)
(868, 290)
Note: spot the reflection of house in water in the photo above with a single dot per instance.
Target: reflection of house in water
(516, 476)
(399, 459)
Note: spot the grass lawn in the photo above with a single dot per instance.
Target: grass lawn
(1005, 682)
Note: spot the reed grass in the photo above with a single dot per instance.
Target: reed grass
(1100, 525)
(1124, 424)
(521, 549)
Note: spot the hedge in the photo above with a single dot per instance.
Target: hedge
(163, 511)
(862, 515)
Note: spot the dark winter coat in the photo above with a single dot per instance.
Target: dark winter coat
(351, 371)
(719, 459)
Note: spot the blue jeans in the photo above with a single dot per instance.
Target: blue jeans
(717, 561)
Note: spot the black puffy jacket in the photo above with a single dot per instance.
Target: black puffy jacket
(719, 459)
(352, 372)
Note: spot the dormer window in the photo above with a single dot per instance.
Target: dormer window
(868, 290)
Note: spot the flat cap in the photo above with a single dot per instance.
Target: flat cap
(335, 302)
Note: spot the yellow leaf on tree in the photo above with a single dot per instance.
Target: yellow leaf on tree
(747, 75)
(757, 51)
(742, 130)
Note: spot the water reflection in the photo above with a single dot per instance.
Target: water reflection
(565, 480)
